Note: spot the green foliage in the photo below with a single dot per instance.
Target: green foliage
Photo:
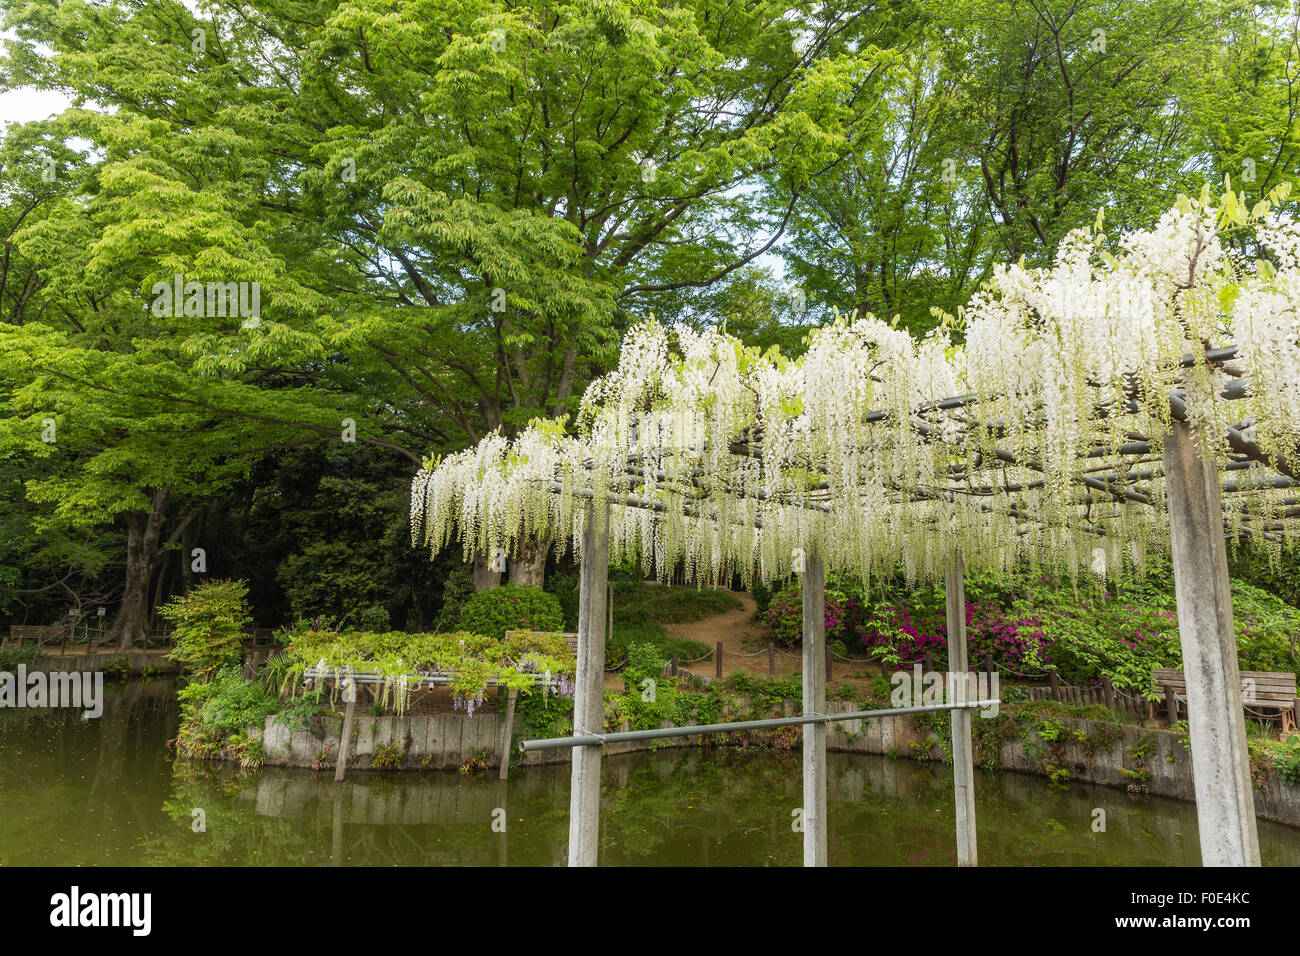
(475, 763)
(651, 634)
(11, 657)
(662, 604)
(213, 712)
(510, 607)
(1287, 761)
(649, 697)
(247, 749)
(471, 660)
(387, 756)
(116, 667)
(1031, 622)
(865, 134)
(544, 715)
(374, 618)
(458, 588)
(209, 626)
(564, 585)
(763, 692)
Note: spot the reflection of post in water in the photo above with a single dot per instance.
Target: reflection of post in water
(112, 747)
(503, 851)
(337, 850)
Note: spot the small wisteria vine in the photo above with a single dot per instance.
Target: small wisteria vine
(1038, 439)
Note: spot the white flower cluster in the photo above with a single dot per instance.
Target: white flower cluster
(874, 447)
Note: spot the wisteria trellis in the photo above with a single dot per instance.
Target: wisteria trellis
(1026, 442)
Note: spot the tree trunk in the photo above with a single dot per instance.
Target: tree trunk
(143, 530)
(483, 577)
(530, 565)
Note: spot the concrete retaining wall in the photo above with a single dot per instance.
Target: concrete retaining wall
(138, 660)
(1158, 760)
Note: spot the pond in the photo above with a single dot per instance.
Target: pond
(107, 792)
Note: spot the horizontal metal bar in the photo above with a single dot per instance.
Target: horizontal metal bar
(538, 680)
(595, 740)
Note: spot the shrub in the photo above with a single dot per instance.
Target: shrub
(456, 590)
(511, 607)
(400, 658)
(11, 657)
(387, 757)
(651, 635)
(210, 622)
(374, 618)
(1287, 762)
(221, 710)
(116, 668)
(661, 604)
(565, 588)
(784, 615)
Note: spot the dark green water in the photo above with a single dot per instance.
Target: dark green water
(76, 792)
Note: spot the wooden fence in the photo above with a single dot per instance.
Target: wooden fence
(96, 640)
(1125, 702)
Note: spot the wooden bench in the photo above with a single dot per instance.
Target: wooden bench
(1261, 690)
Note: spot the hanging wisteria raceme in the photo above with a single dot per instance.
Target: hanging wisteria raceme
(1039, 438)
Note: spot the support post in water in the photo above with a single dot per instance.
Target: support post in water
(963, 762)
(510, 726)
(814, 702)
(589, 692)
(350, 698)
(1225, 803)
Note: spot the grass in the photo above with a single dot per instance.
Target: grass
(11, 657)
(642, 610)
(645, 632)
(661, 604)
(1056, 708)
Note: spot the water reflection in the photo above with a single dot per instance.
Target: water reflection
(106, 792)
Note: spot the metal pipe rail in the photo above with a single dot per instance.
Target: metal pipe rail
(434, 681)
(595, 740)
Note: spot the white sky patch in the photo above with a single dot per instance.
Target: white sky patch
(24, 104)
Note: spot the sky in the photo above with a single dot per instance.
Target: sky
(24, 105)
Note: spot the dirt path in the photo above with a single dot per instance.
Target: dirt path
(733, 628)
(744, 646)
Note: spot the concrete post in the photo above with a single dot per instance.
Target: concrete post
(1225, 804)
(508, 734)
(345, 738)
(963, 760)
(814, 702)
(589, 693)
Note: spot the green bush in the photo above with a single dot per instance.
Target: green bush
(1287, 762)
(210, 622)
(565, 588)
(651, 635)
(374, 618)
(458, 588)
(661, 604)
(511, 607)
(11, 657)
(218, 710)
